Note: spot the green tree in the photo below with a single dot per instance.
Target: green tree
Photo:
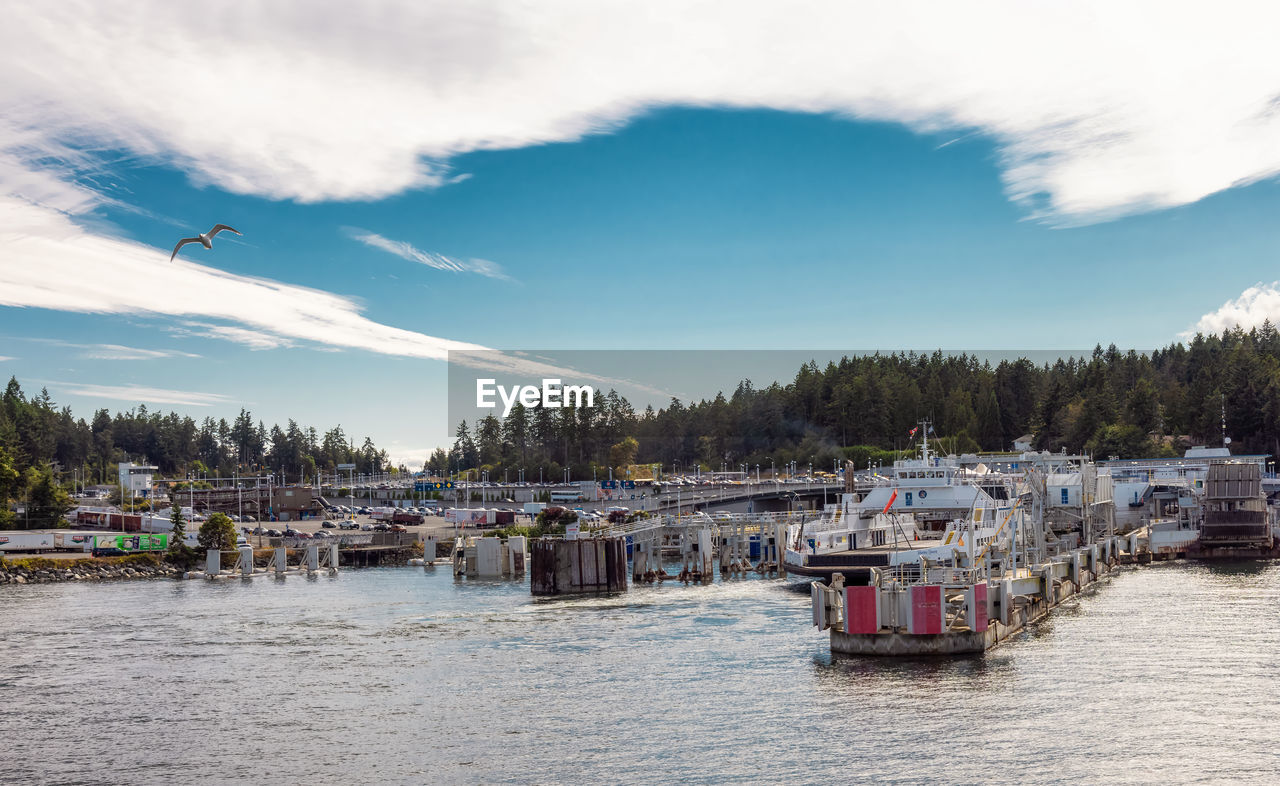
(47, 501)
(1126, 441)
(179, 525)
(218, 532)
(10, 488)
(623, 454)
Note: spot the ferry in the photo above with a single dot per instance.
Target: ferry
(922, 499)
(854, 546)
(933, 489)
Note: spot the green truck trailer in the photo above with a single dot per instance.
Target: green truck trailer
(112, 545)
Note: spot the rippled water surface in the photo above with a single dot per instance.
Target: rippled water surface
(1164, 674)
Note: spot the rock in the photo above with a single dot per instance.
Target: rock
(20, 579)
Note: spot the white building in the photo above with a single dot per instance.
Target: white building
(135, 479)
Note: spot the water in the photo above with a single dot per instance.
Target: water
(1166, 673)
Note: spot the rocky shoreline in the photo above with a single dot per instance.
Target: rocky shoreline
(41, 570)
(18, 572)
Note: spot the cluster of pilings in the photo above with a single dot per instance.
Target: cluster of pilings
(733, 544)
(561, 567)
(311, 561)
(489, 557)
(699, 547)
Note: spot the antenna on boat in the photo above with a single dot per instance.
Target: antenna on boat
(1225, 441)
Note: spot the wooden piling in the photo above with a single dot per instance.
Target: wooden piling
(560, 567)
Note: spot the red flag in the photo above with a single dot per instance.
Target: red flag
(892, 498)
(913, 431)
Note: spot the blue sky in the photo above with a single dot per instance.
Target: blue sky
(625, 218)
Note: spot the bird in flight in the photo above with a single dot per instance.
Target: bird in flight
(203, 240)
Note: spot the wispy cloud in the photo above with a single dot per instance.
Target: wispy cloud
(115, 351)
(139, 393)
(429, 258)
(1256, 304)
(119, 352)
(256, 339)
(1086, 123)
(3, 358)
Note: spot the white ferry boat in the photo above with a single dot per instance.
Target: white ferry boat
(933, 489)
(851, 545)
(924, 505)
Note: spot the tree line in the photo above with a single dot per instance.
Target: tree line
(862, 408)
(42, 445)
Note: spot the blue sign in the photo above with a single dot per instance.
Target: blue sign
(908, 499)
(608, 484)
(628, 484)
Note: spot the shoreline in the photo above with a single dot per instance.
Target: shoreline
(37, 569)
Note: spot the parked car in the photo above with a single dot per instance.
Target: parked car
(397, 528)
(366, 527)
(381, 526)
(322, 534)
(328, 525)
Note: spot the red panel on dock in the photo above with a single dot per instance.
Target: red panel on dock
(979, 610)
(926, 609)
(861, 609)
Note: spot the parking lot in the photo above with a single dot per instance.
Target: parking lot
(432, 525)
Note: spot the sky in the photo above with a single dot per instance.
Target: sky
(415, 178)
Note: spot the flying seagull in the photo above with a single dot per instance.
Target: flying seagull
(201, 239)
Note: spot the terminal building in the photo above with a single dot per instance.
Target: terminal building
(136, 479)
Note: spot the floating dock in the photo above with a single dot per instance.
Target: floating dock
(949, 611)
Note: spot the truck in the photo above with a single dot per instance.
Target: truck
(114, 545)
(534, 508)
(397, 516)
(19, 540)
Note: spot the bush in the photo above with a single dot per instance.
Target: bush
(536, 531)
(218, 532)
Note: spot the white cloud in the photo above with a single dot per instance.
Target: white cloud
(256, 339)
(116, 351)
(136, 393)
(413, 458)
(1097, 107)
(1257, 303)
(429, 258)
(3, 358)
(50, 262)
